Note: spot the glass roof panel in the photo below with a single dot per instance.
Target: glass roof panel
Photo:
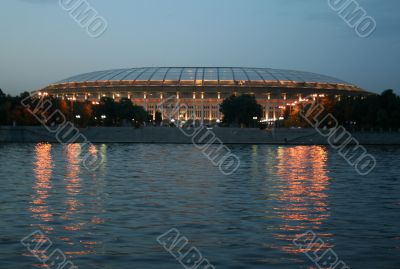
(146, 75)
(239, 74)
(189, 74)
(211, 74)
(95, 76)
(313, 77)
(89, 76)
(225, 74)
(267, 76)
(159, 75)
(121, 75)
(295, 76)
(173, 74)
(199, 74)
(108, 75)
(279, 74)
(134, 74)
(332, 80)
(252, 74)
(83, 77)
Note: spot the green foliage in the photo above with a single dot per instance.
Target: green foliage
(158, 118)
(120, 113)
(374, 111)
(240, 110)
(11, 110)
(80, 113)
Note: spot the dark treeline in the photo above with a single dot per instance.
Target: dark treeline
(11, 110)
(376, 111)
(371, 112)
(106, 113)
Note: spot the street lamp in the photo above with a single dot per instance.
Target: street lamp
(255, 121)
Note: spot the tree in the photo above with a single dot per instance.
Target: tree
(107, 108)
(140, 115)
(2, 94)
(3, 109)
(125, 111)
(357, 112)
(158, 118)
(241, 110)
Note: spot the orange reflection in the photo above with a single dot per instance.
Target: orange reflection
(72, 180)
(95, 220)
(74, 216)
(302, 201)
(43, 167)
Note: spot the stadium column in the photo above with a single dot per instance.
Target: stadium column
(162, 106)
(266, 111)
(210, 107)
(179, 108)
(202, 108)
(218, 104)
(145, 101)
(194, 109)
(218, 113)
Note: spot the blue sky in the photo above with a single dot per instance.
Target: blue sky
(41, 44)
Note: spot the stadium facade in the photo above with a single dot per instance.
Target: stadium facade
(202, 89)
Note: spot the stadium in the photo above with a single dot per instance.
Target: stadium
(202, 89)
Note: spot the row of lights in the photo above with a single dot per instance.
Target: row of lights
(194, 96)
(301, 100)
(102, 116)
(173, 120)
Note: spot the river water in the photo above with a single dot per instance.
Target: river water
(111, 218)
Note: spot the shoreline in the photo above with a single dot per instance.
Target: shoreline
(164, 135)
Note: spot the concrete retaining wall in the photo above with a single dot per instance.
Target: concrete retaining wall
(175, 136)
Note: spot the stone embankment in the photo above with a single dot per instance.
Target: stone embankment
(35, 134)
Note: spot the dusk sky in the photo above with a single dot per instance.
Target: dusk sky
(41, 43)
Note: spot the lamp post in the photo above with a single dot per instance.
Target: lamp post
(255, 121)
(103, 117)
(77, 117)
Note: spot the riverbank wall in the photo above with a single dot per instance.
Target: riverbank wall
(35, 134)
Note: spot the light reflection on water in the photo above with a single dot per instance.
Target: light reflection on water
(39, 205)
(110, 218)
(302, 196)
(43, 173)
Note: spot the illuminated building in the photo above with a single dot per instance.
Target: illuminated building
(202, 89)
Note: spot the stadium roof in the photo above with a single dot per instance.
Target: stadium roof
(199, 75)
